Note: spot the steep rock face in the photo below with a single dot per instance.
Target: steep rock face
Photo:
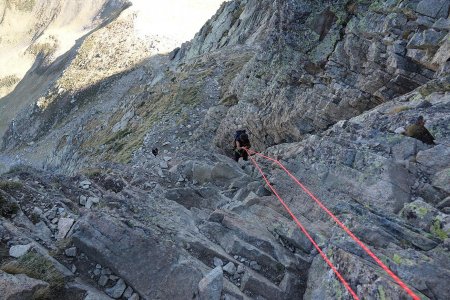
(331, 62)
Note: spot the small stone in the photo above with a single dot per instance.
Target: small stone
(74, 269)
(117, 290)
(217, 262)
(71, 252)
(85, 182)
(230, 268)
(240, 269)
(236, 257)
(167, 158)
(97, 272)
(98, 266)
(106, 271)
(166, 143)
(19, 250)
(254, 265)
(164, 165)
(113, 277)
(55, 220)
(400, 130)
(83, 200)
(103, 280)
(60, 210)
(37, 211)
(89, 203)
(128, 292)
(95, 200)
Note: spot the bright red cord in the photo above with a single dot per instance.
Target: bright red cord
(358, 241)
(299, 224)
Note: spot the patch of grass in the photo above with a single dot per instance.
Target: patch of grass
(8, 208)
(229, 100)
(93, 172)
(7, 185)
(119, 135)
(399, 109)
(9, 81)
(36, 266)
(436, 230)
(23, 5)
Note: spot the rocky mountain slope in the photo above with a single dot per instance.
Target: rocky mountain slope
(321, 86)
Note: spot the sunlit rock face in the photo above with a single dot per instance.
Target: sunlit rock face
(52, 27)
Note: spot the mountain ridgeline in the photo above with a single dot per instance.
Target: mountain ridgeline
(324, 87)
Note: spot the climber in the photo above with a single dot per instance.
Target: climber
(418, 131)
(155, 151)
(241, 142)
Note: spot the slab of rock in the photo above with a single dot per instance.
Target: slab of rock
(433, 8)
(83, 200)
(161, 270)
(230, 268)
(19, 286)
(442, 180)
(19, 250)
(210, 287)
(128, 292)
(117, 290)
(258, 285)
(71, 252)
(103, 280)
(64, 225)
(435, 159)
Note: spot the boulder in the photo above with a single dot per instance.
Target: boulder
(434, 159)
(161, 270)
(19, 286)
(441, 180)
(210, 287)
(117, 290)
(19, 250)
(64, 226)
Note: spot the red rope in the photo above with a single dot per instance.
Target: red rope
(299, 224)
(358, 241)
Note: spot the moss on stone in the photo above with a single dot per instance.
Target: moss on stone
(7, 185)
(397, 259)
(381, 292)
(436, 230)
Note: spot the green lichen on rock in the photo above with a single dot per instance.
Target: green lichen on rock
(381, 292)
(397, 259)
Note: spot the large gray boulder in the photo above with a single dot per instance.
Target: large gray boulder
(210, 287)
(19, 287)
(433, 8)
(153, 266)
